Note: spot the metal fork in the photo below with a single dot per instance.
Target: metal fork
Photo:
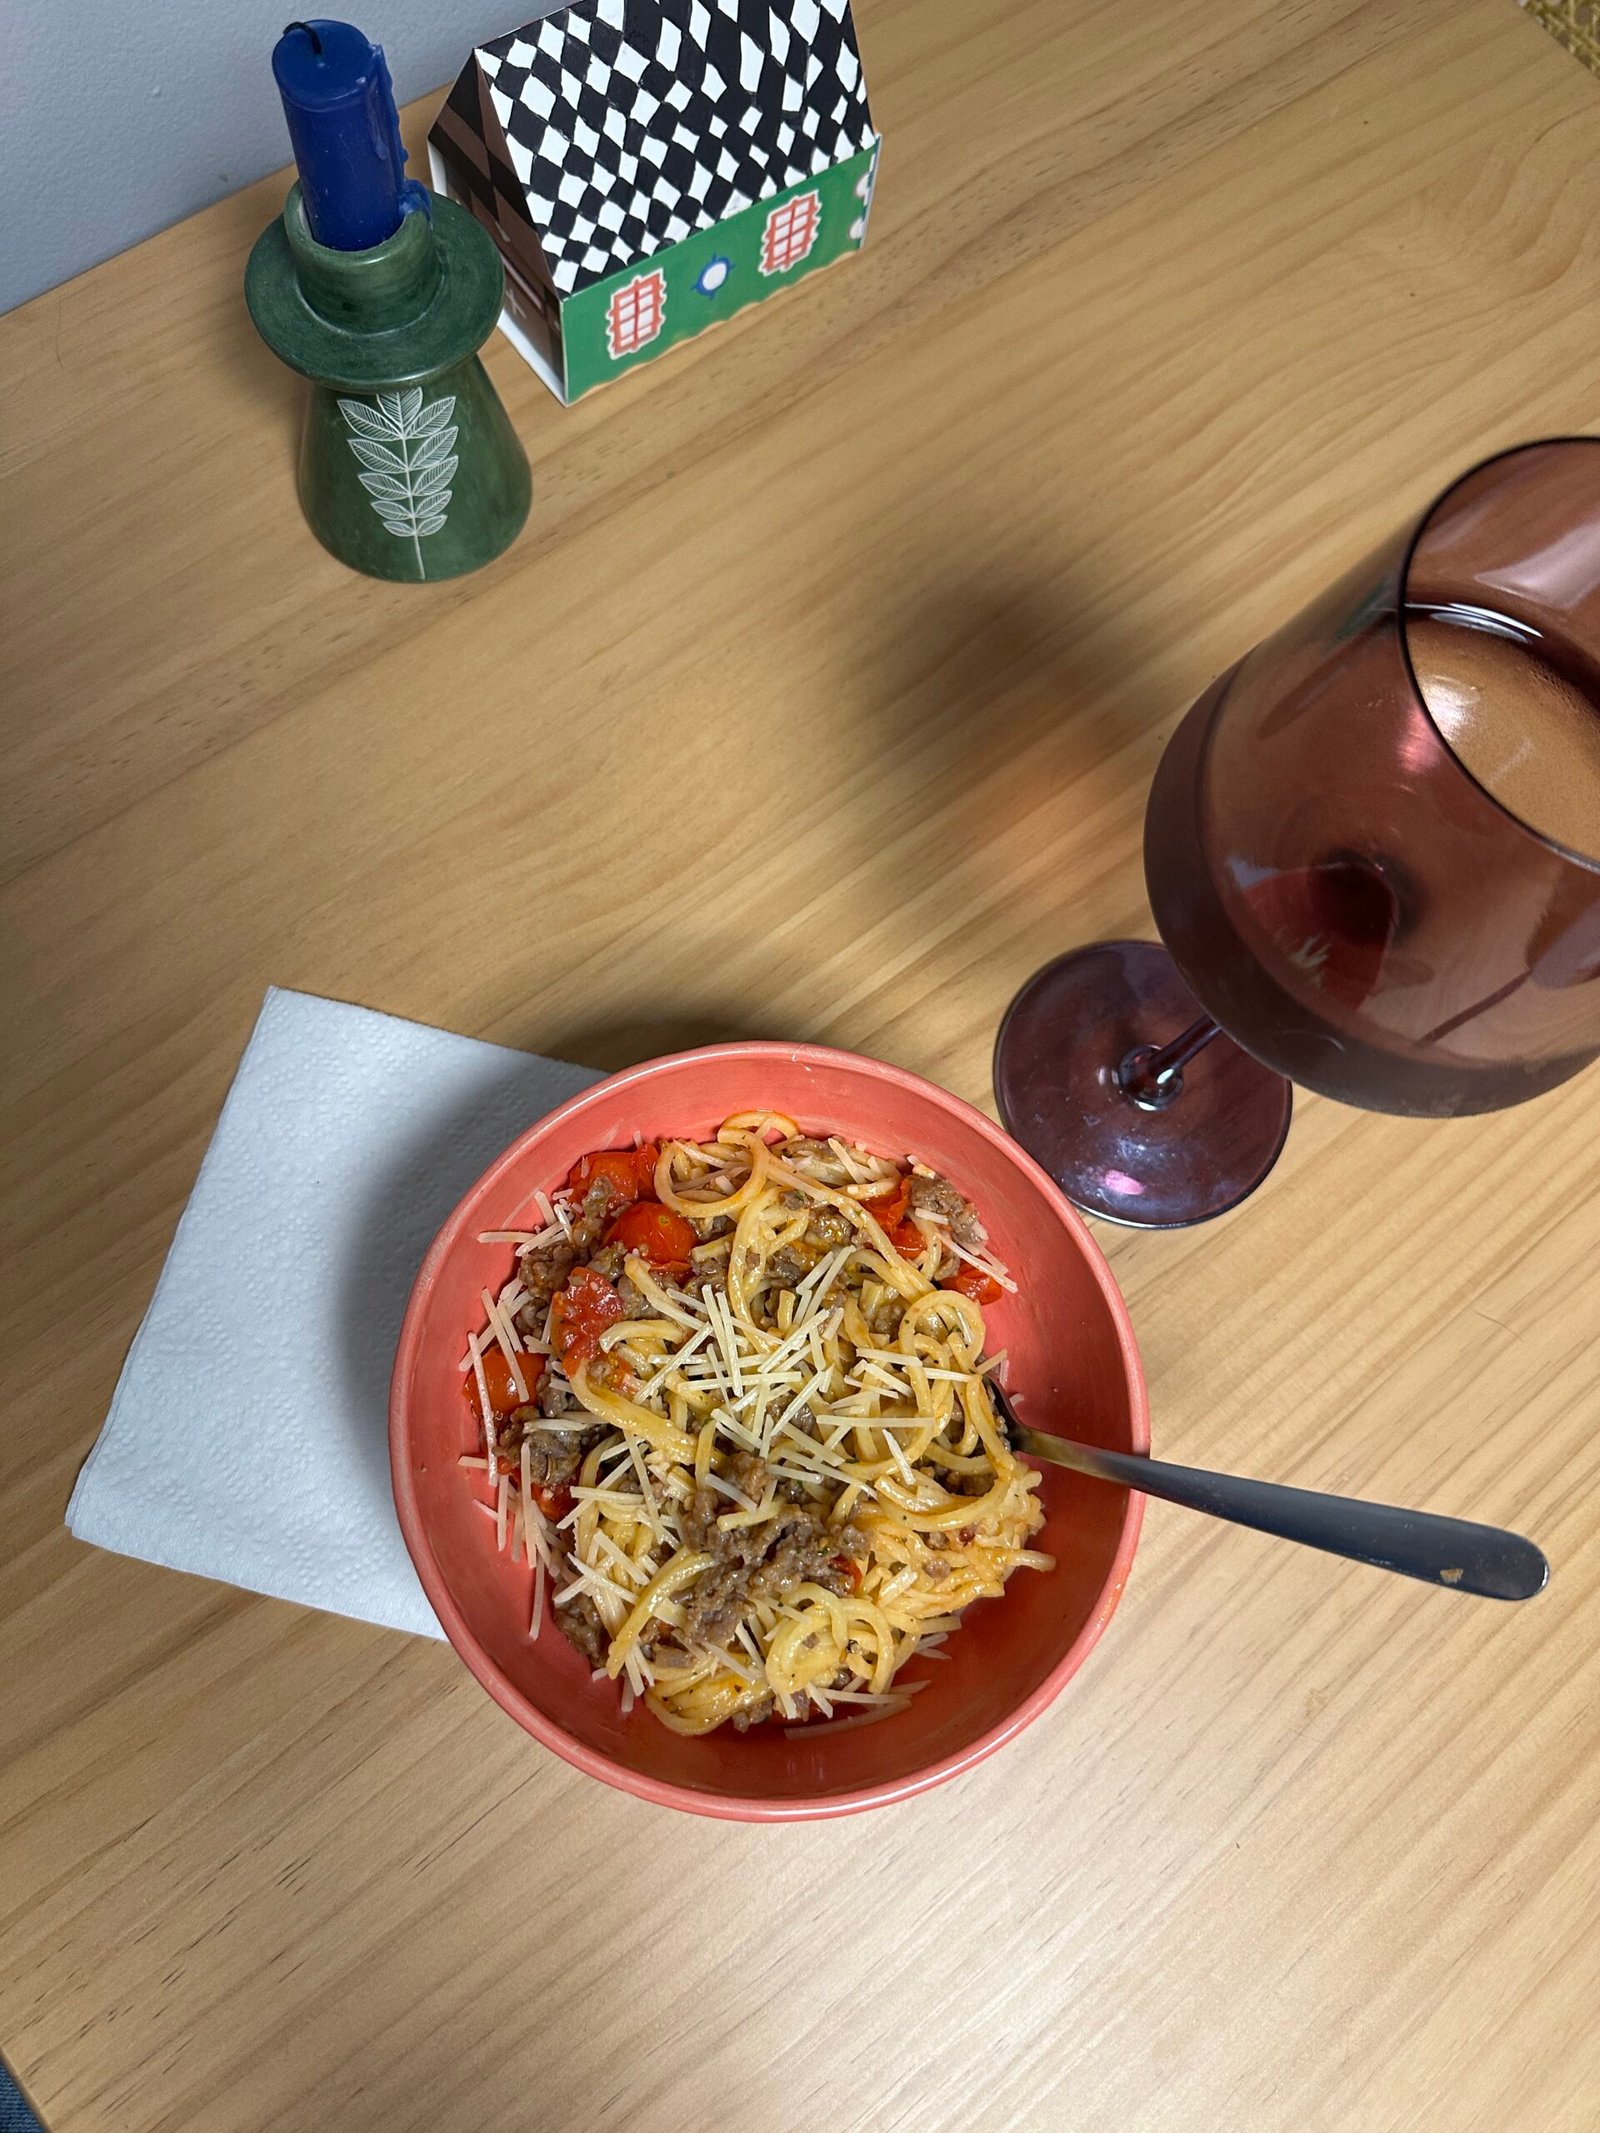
(1418, 1544)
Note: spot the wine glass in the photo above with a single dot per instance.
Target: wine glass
(1373, 852)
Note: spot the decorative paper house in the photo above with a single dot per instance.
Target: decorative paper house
(648, 167)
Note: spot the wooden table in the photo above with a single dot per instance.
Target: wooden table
(1165, 318)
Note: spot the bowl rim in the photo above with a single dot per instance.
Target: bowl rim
(661, 1792)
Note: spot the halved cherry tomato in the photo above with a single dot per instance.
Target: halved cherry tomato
(661, 1238)
(974, 1282)
(580, 1314)
(614, 1168)
(629, 1174)
(554, 1499)
(890, 1207)
(848, 1567)
(504, 1399)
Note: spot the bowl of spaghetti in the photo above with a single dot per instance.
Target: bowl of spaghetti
(693, 1447)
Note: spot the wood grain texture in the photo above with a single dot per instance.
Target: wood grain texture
(1159, 327)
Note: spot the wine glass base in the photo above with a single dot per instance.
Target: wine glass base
(1055, 1065)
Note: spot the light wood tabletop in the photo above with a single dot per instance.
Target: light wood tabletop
(1166, 316)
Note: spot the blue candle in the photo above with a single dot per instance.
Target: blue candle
(339, 102)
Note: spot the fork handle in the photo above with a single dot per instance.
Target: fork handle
(1452, 1552)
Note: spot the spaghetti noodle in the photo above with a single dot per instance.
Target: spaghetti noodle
(734, 1408)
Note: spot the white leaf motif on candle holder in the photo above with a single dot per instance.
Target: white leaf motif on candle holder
(408, 460)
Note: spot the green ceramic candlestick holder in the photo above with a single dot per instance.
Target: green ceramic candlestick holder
(408, 467)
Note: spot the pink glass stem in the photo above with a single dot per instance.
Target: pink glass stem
(1152, 1075)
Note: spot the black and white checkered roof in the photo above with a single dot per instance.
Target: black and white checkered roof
(632, 123)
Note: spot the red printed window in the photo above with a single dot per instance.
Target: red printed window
(634, 315)
(790, 233)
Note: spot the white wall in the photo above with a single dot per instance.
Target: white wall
(120, 119)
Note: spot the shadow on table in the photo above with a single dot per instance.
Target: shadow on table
(623, 1041)
(1018, 725)
(995, 668)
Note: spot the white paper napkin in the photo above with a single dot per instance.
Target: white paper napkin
(247, 1438)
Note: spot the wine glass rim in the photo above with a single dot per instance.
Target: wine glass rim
(1590, 861)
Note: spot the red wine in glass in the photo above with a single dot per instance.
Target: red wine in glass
(1373, 853)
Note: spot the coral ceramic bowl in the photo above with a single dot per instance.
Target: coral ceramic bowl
(1071, 1359)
